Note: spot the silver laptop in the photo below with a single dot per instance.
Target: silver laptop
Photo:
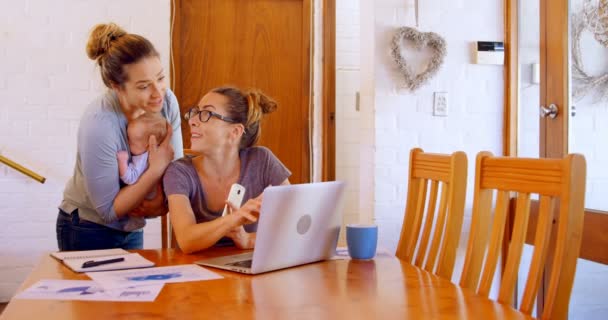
(298, 224)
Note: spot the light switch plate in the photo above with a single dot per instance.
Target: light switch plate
(440, 104)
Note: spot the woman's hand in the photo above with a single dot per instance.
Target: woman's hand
(151, 208)
(242, 239)
(248, 213)
(159, 156)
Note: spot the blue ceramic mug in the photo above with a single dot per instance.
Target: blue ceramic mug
(361, 240)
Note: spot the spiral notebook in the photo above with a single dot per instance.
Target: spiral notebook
(75, 260)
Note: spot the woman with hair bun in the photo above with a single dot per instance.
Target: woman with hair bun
(98, 211)
(224, 126)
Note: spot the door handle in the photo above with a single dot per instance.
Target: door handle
(550, 112)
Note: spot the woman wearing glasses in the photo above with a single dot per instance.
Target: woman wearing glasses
(97, 211)
(224, 129)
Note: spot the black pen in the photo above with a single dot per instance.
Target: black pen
(93, 263)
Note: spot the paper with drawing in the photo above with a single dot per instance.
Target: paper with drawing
(158, 275)
(87, 290)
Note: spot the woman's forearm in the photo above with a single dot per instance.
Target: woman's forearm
(129, 197)
(201, 236)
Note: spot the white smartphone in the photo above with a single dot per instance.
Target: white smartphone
(235, 197)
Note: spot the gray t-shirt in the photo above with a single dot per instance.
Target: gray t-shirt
(96, 182)
(259, 169)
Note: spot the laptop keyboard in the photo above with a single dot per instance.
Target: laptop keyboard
(242, 264)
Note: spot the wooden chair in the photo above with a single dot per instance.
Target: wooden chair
(447, 173)
(551, 179)
(168, 236)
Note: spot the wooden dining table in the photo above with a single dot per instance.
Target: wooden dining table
(382, 288)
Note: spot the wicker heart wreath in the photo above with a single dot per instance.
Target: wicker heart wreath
(592, 18)
(419, 40)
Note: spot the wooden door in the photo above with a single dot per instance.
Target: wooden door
(554, 86)
(263, 44)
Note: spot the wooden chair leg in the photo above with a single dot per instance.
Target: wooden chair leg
(163, 231)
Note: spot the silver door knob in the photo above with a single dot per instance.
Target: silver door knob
(550, 112)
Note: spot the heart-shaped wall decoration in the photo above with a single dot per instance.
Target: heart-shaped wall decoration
(419, 41)
(583, 82)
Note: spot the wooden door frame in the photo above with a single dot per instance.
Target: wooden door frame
(511, 79)
(595, 240)
(328, 140)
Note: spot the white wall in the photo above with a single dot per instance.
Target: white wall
(529, 92)
(367, 133)
(46, 81)
(347, 116)
(402, 120)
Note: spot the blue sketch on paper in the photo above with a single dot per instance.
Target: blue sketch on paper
(92, 290)
(74, 289)
(155, 277)
(81, 290)
(135, 293)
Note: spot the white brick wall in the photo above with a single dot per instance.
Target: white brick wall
(347, 117)
(529, 92)
(46, 81)
(397, 120)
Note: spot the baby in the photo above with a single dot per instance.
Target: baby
(139, 131)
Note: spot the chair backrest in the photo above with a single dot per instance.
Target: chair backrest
(430, 174)
(553, 180)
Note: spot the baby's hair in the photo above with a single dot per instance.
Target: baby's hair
(149, 124)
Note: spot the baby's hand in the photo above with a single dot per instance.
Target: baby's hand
(122, 156)
(123, 162)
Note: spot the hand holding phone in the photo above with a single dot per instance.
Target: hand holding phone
(235, 197)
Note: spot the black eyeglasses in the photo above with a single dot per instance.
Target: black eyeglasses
(205, 115)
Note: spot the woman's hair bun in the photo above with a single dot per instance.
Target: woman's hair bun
(101, 38)
(265, 103)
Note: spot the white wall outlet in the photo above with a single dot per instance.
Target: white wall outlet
(440, 104)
